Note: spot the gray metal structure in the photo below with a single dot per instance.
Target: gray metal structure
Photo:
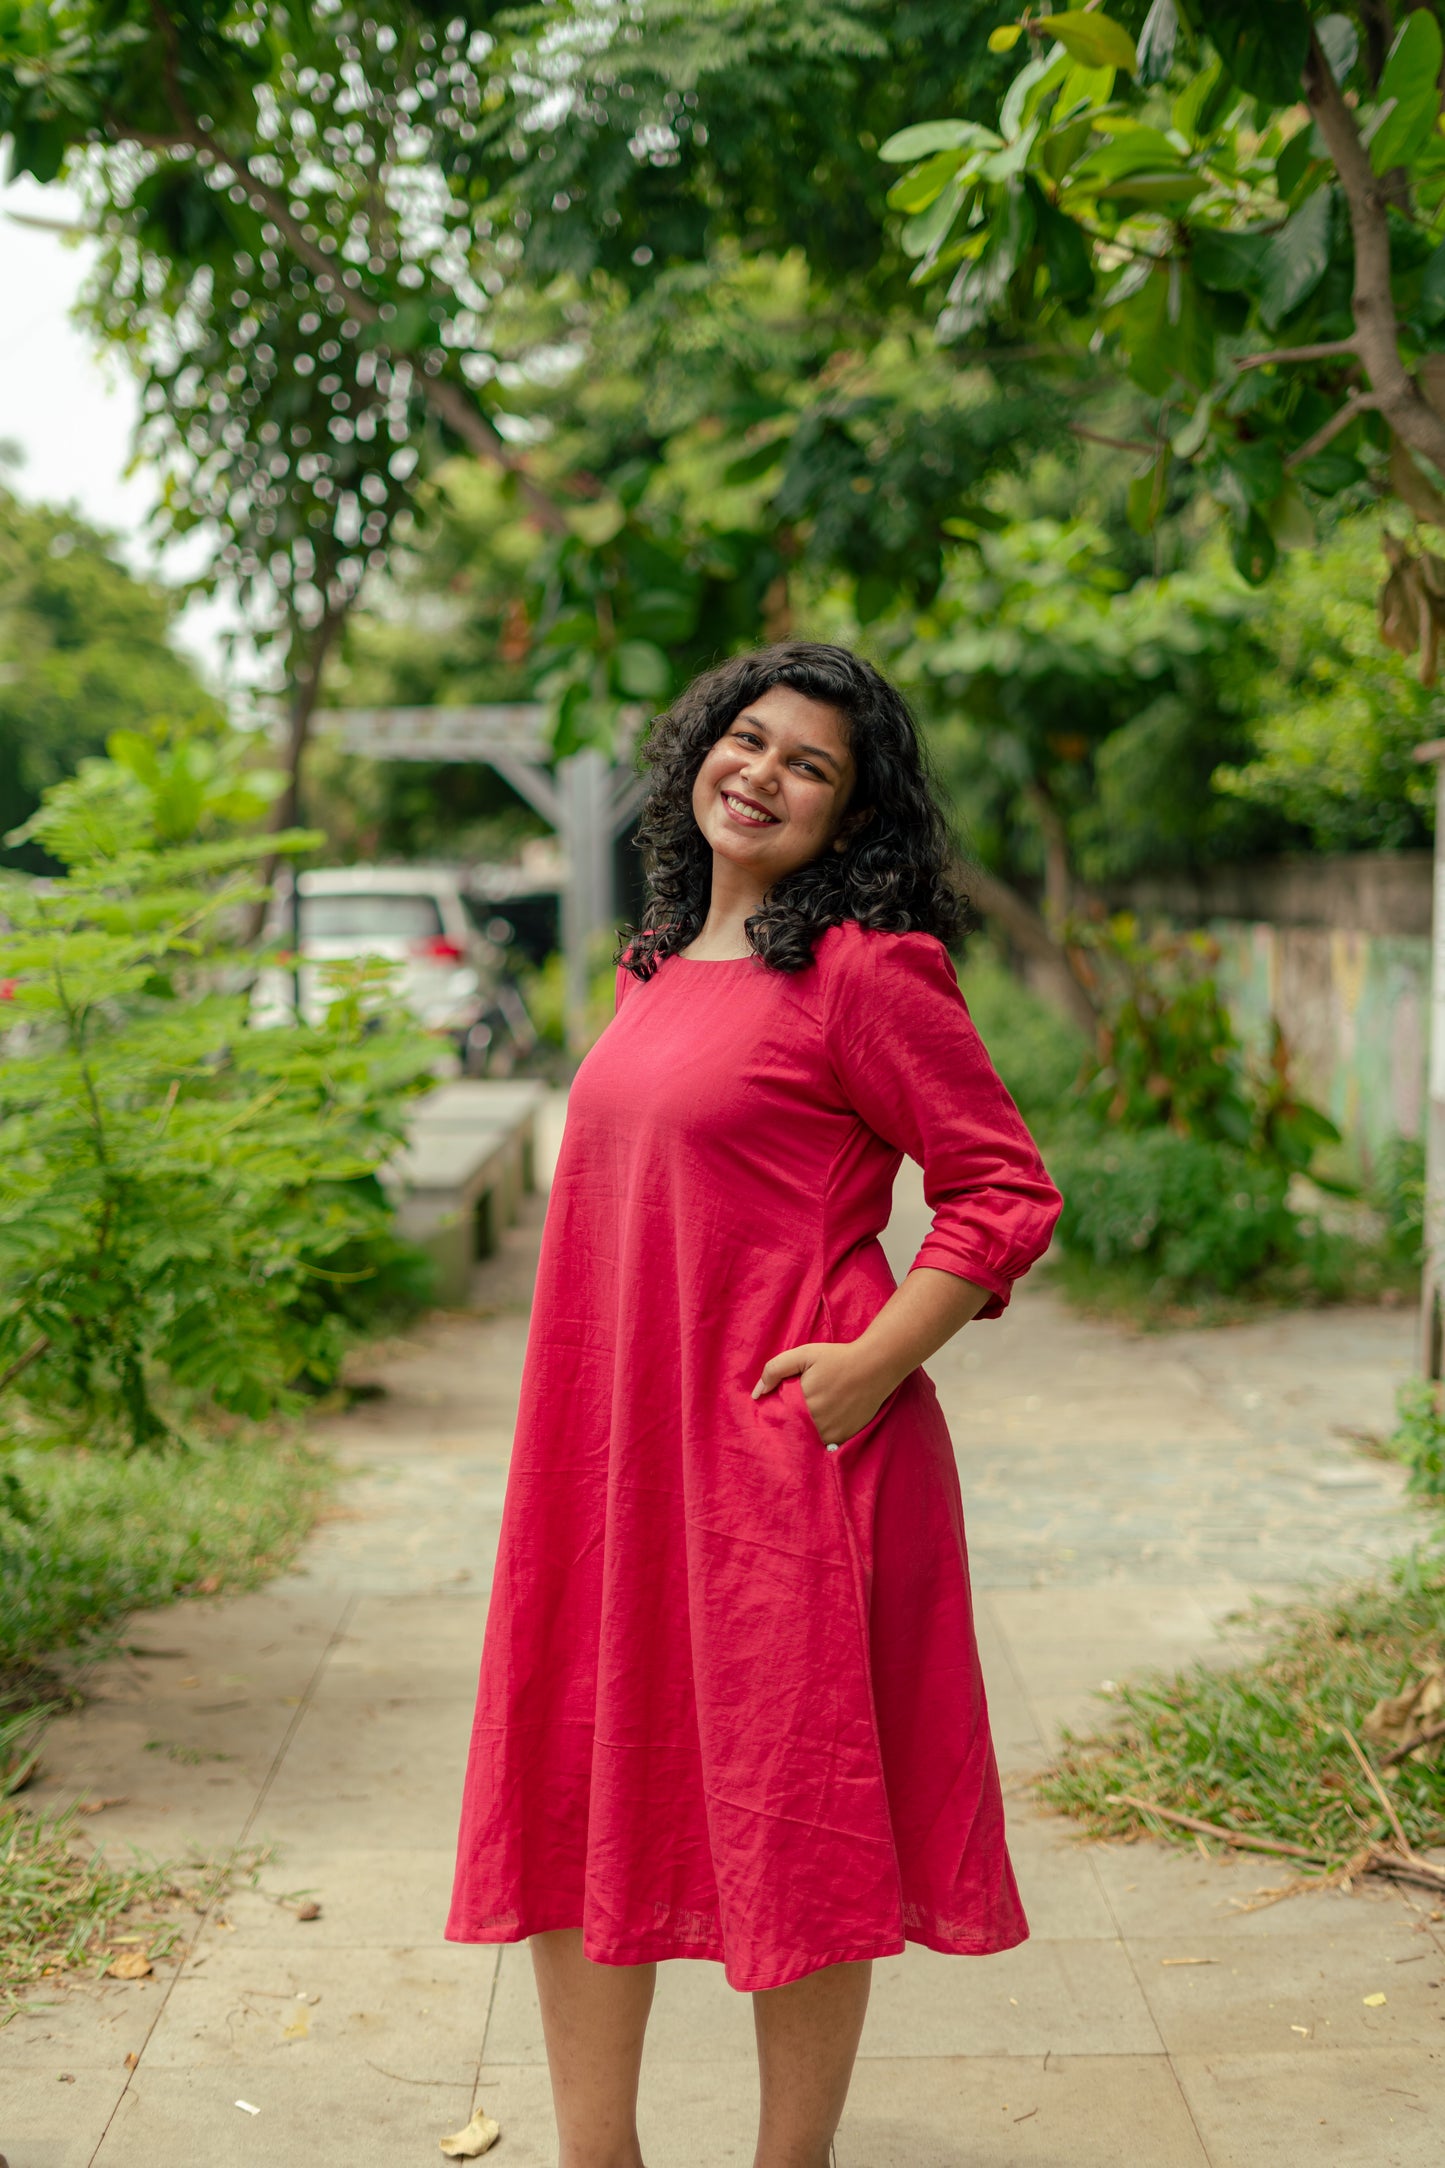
(586, 799)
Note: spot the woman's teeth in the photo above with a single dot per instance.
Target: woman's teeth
(746, 812)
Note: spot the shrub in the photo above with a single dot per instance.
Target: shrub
(1419, 1436)
(1036, 1052)
(179, 1191)
(1200, 1214)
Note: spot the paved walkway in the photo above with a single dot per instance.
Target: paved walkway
(1124, 1495)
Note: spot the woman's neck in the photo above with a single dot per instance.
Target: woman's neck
(733, 901)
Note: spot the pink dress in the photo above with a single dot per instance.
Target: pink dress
(730, 1700)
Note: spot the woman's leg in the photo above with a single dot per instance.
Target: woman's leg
(808, 2035)
(594, 2018)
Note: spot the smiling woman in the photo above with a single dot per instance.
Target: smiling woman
(792, 781)
(730, 1703)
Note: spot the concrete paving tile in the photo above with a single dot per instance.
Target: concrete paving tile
(1070, 1641)
(47, 2124)
(1061, 1896)
(1162, 1889)
(407, 1645)
(1093, 2111)
(417, 2011)
(1292, 1990)
(368, 1898)
(1065, 1998)
(690, 2114)
(371, 1774)
(1360, 2108)
(176, 2118)
(91, 2025)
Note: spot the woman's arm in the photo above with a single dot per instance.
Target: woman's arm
(845, 1382)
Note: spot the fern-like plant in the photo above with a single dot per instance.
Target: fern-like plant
(174, 1184)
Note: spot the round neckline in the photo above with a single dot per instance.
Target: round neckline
(714, 961)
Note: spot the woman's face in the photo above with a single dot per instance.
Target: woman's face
(772, 793)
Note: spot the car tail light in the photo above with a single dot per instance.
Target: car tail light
(440, 950)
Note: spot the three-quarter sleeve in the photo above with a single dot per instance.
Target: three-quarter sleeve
(912, 1065)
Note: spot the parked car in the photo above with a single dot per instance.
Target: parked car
(453, 977)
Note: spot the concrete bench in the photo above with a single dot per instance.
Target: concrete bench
(460, 1179)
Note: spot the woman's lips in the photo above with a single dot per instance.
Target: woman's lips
(745, 813)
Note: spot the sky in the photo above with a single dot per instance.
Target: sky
(69, 409)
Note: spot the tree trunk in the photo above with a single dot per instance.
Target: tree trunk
(305, 692)
(1028, 930)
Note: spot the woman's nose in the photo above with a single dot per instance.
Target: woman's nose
(762, 773)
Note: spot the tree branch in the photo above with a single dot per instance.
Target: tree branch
(447, 399)
(1360, 402)
(1376, 339)
(1029, 931)
(32, 1354)
(1116, 444)
(1326, 350)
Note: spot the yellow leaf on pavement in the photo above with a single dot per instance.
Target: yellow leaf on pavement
(1373, 2002)
(480, 2135)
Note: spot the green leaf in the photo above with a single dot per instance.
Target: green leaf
(1227, 263)
(1095, 39)
(642, 670)
(1144, 500)
(927, 136)
(1252, 548)
(1340, 44)
(1293, 162)
(1031, 84)
(1263, 43)
(1154, 188)
(925, 235)
(1140, 150)
(1330, 471)
(1086, 88)
(1409, 93)
(1203, 102)
(919, 188)
(1259, 470)
(1068, 256)
(1157, 41)
(1005, 38)
(1294, 262)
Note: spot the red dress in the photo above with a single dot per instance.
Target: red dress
(730, 1700)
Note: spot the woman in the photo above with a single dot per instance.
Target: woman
(730, 1702)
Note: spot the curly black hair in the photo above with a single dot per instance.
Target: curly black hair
(894, 874)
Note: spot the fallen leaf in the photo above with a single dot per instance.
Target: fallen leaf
(1189, 1960)
(131, 1965)
(98, 1806)
(66, 2078)
(1301, 2029)
(480, 2135)
(311, 1910)
(131, 2060)
(1374, 2002)
(246, 2108)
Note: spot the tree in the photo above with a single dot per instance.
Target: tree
(1244, 213)
(85, 649)
(294, 261)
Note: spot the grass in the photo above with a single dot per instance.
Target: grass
(87, 1537)
(1258, 1747)
(65, 1907)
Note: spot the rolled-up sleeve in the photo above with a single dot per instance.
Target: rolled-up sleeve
(912, 1065)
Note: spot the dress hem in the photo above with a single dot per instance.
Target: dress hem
(660, 1949)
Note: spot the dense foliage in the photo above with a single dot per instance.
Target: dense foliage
(1247, 218)
(84, 650)
(177, 1188)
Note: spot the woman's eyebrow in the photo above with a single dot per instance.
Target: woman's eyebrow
(812, 752)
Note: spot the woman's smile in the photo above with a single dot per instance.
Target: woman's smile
(748, 811)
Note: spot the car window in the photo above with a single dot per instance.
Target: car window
(369, 918)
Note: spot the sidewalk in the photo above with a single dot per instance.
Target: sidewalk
(1123, 1495)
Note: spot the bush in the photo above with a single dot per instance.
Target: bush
(1200, 1214)
(187, 1205)
(1419, 1436)
(1036, 1052)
